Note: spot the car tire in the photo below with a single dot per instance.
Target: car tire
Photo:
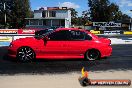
(92, 55)
(25, 54)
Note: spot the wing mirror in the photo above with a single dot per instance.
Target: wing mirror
(45, 40)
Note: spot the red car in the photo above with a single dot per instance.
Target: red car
(62, 43)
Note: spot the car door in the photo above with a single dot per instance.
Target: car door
(55, 45)
(79, 43)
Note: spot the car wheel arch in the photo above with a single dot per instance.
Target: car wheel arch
(25, 46)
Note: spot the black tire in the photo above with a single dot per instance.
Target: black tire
(92, 55)
(25, 54)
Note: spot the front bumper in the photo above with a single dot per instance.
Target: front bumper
(12, 52)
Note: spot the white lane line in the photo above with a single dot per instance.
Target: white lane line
(120, 41)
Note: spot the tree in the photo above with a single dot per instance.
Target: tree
(74, 16)
(85, 16)
(125, 17)
(115, 13)
(103, 10)
(99, 10)
(74, 13)
(17, 11)
(21, 11)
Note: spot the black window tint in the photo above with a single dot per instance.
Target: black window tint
(41, 32)
(87, 37)
(77, 35)
(60, 35)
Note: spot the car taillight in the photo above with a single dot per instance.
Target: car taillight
(110, 43)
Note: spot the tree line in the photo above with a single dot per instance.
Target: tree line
(16, 11)
(99, 11)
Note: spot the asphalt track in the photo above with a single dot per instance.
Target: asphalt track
(121, 60)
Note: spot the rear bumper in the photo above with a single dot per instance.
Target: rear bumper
(106, 52)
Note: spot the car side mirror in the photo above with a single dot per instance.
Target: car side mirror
(45, 40)
(38, 37)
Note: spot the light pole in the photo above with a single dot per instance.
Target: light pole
(131, 22)
(5, 13)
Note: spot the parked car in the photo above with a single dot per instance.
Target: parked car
(62, 43)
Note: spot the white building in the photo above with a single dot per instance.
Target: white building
(50, 16)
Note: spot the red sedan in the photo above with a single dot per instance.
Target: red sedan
(62, 43)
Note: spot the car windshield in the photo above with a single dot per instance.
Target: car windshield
(42, 33)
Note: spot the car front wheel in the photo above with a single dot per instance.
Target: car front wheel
(25, 54)
(92, 55)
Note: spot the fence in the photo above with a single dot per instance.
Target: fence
(8, 35)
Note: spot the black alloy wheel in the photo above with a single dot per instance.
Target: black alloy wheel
(25, 54)
(92, 55)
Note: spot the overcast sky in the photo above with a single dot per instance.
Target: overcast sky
(79, 5)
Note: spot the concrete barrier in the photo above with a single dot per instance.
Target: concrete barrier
(106, 32)
(5, 40)
(95, 32)
(8, 35)
(113, 32)
(127, 32)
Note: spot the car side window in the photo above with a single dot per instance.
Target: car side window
(77, 35)
(88, 37)
(41, 32)
(59, 35)
(80, 35)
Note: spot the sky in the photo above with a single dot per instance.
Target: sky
(79, 5)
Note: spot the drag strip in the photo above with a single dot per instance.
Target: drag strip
(119, 39)
(121, 59)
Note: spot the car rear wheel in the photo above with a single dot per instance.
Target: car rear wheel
(92, 55)
(25, 54)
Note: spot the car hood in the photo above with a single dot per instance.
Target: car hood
(27, 40)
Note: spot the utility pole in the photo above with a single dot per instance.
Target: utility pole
(131, 23)
(5, 12)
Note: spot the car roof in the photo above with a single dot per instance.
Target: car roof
(87, 31)
(58, 29)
